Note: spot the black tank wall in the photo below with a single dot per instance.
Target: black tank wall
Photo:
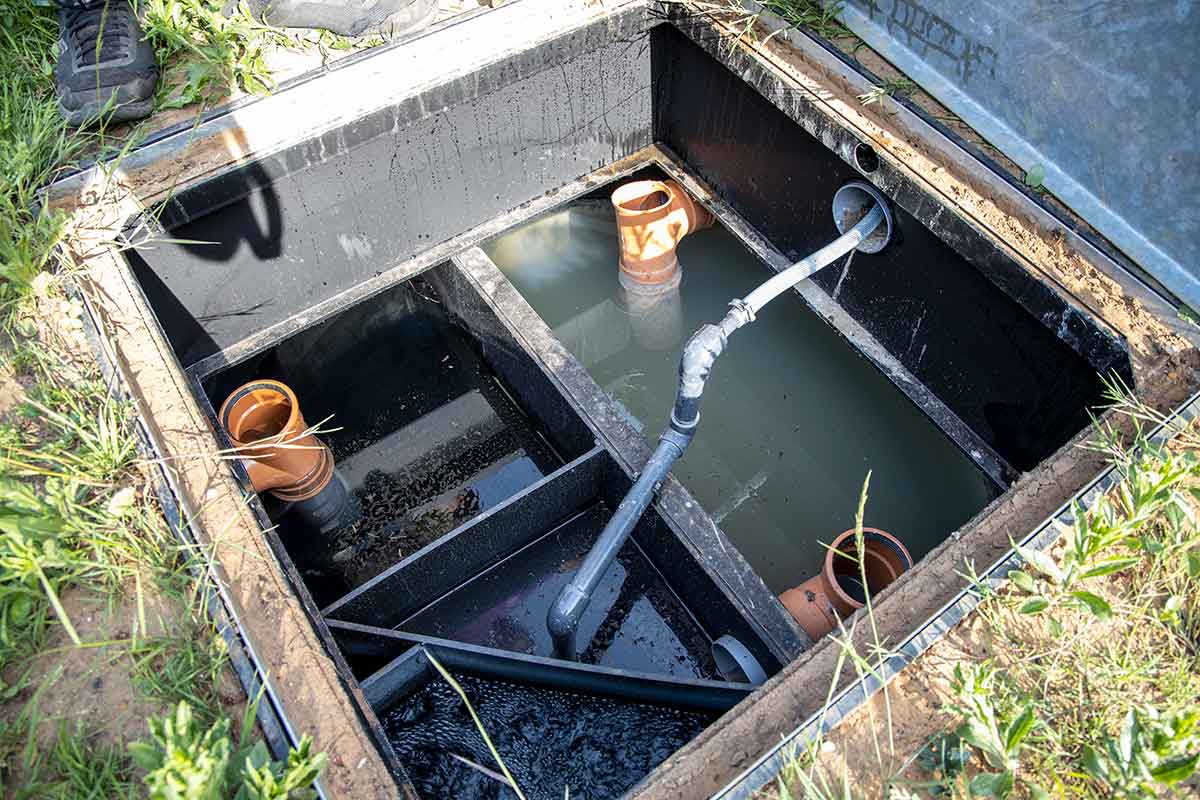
(1006, 374)
(275, 237)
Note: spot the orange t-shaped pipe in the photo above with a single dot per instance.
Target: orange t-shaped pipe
(819, 602)
(264, 421)
(652, 217)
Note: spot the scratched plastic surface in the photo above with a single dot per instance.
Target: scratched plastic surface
(793, 416)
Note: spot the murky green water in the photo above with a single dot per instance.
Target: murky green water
(792, 418)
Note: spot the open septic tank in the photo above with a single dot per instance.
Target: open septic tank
(437, 283)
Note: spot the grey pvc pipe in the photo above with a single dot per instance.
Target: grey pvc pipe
(818, 260)
(563, 617)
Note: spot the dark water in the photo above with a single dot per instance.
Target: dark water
(550, 740)
(633, 622)
(792, 418)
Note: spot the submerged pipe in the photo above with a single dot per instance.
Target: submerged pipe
(281, 454)
(652, 218)
(858, 207)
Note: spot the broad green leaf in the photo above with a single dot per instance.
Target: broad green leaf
(1034, 606)
(1023, 580)
(1151, 546)
(1175, 770)
(1042, 562)
(1037, 792)
(1094, 764)
(1096, 604)
(1056, 628)
(992, 784)
(1129, 736)
(1193, 563)
(979, 736)
(1018, 729)
(1109, 567)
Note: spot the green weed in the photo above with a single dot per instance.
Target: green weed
(1112, 536)
(997, 737)
(35, 563)
(1034, 177)
(185, 761)
(36, 145)
(889, 88)
(1153, 750)
(206, 55)
(819, 17)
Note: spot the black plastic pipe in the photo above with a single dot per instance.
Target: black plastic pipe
(695, 365)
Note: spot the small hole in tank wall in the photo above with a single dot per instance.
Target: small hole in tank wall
(865, 158)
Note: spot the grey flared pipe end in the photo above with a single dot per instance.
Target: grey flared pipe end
(854, 201)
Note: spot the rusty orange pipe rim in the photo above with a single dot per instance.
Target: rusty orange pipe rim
(821, 601)
(264, 421)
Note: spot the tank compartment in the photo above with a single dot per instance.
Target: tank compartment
(796, 416)
(594, 730)
(424, 430)
(1005, 352)
(492, 583)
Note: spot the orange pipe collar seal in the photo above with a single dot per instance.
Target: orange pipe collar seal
(652, 217)
(264, 421)
(819, 602)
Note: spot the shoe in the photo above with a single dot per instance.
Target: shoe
(103, 56)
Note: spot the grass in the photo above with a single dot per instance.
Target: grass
(822, 18)
(207, 55)
(77, 519)
(1085, 682)
(36, 146)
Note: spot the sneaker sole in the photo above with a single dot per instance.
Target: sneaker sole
(134, 101)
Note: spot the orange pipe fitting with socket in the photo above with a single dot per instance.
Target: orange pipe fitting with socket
(652, 217)
(264, 421)
(818, 603)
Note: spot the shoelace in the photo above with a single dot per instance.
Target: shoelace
(113, 29)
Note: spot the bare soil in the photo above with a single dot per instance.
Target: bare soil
(90, 685)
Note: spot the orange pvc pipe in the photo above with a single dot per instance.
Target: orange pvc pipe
(820, 602)
(652, 218)
(264, 421)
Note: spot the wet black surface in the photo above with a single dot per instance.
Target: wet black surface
(405, 511)
(550, 740)
(633, 622)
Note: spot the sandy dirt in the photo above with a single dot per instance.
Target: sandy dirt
(90, 685)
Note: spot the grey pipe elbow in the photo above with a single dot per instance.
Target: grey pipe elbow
(695, 365)
(563, 619)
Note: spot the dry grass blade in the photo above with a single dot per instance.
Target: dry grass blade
(480, 768)
(478, 723)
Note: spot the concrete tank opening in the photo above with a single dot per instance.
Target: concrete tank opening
(493, 385)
